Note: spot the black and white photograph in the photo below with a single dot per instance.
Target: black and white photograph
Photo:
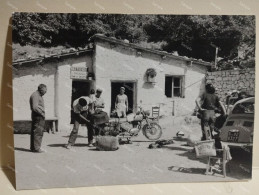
(120, 99)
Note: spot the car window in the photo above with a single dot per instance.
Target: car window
(244, 108)
(233, 100)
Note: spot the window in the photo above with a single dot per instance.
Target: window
(177, 87)
(174, 86)
(230, 123)
(248, 124)
(244, 108)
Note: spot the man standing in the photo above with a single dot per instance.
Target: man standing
(210, 105)
(121, 103)
(99, 117)
(82, 108)
(38, 118)
(99, 102)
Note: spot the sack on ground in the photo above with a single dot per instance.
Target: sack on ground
(107, 143)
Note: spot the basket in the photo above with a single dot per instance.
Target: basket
(205, 148)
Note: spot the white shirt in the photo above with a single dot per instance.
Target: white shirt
(77, 108)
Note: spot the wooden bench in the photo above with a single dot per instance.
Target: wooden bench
(53, 124)
(53, 127)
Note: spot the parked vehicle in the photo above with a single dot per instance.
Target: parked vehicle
(239, 126)
(132, 125)
(232, 98)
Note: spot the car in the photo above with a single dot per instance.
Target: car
(232, 97)
(238, 128)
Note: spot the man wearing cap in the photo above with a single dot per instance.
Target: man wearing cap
(82, 107)
(121, 103)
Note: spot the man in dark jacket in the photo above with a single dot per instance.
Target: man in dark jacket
(38, 118)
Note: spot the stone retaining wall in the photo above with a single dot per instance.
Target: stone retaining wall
(228, 80)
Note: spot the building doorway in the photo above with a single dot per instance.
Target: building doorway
(130, 91)
(79, 88)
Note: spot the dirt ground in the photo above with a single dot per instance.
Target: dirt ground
(130, 164)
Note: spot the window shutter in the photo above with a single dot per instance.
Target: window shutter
(183, 86)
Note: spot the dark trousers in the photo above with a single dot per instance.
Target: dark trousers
(77, 122)
(207, 121)
(37, 129)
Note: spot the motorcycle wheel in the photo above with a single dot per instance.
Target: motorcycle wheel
(153, 131)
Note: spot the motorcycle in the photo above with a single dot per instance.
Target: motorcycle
(132, 126)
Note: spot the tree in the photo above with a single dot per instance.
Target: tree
(194, 36)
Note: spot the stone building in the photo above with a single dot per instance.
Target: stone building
(109, 64)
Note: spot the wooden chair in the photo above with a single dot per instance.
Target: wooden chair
(222, 156)
(155, 112)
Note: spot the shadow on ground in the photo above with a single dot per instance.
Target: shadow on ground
(240, 167)
(198, 171)
(177, 148)
(187, 170)
(192, 156)
(63, 145)
(22, 149)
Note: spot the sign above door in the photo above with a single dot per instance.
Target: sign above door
(78, 73)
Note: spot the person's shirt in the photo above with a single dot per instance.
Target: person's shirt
(77, 108)
(210, 101)
(37, 103)
(92, 97)
(99, 103)
(121, 99)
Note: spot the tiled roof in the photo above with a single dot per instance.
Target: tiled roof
(63, 53)
(159, 52)
(89, 48)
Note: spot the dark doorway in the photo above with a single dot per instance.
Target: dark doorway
(79, 88)
(130, 91)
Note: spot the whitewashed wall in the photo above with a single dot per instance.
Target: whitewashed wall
(64, 88)
(25, 81)
(109, 63)
(56, 75)
(122, 63)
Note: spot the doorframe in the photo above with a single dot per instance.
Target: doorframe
(135, 91)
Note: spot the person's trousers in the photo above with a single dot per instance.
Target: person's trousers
(77, 122)
(207, 120)
(37, 129)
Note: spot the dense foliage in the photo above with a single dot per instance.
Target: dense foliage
(189, 35)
